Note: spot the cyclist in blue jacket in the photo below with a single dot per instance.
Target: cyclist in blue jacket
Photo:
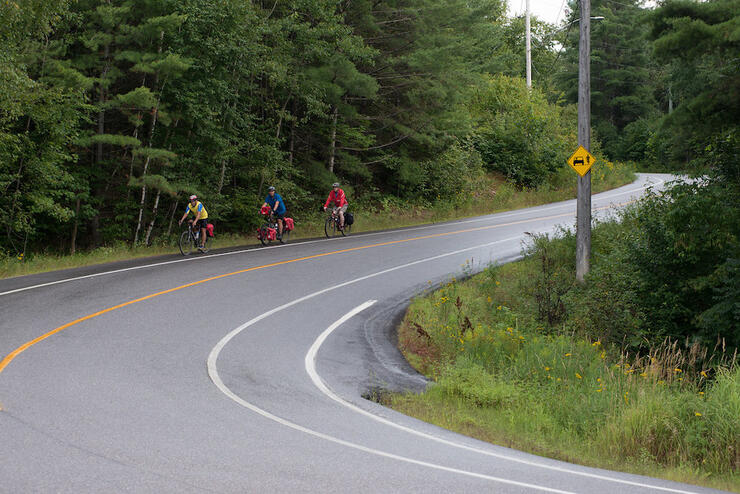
(276, 203)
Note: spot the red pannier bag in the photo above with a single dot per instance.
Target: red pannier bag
(209, 229)
(271, 234)
(265, 210)
(289, 224)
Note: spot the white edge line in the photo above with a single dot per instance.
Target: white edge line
(255, 250)
(310, 364)
(213, 373)
(216, 379)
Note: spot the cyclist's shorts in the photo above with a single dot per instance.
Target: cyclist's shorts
(201, 224)
(343, 209)
(280, 216)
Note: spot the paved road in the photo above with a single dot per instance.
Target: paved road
(237, 373)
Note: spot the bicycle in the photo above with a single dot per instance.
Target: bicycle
(190, 240)
(268, 232)
(331, 225)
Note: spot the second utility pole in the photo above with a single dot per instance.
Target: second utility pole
(583, 211)
(528, 47)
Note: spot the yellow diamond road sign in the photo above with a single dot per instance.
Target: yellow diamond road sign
(581, 161)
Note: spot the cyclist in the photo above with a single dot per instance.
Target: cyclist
(276, 203)
(201, 218)
(340, 204)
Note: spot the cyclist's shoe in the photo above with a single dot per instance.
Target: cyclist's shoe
(279, 236)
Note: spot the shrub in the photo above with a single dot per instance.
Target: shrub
(472, 382)
(519, 133)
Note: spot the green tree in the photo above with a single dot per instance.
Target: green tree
(623, 75)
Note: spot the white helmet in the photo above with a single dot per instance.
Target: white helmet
(193, 197)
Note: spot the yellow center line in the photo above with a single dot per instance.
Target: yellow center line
(12, 355)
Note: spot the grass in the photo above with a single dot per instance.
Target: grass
(493, 195)
(502, 376)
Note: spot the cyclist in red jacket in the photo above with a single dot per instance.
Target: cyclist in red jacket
(339, 203)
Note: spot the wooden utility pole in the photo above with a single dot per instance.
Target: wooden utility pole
(527, 28)
(583, 211)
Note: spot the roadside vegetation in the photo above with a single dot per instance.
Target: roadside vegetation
(493, 193)
(113, 112)
(636, 370)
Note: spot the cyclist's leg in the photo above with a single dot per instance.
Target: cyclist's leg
(202, 240)
(335, 213)
(341, 216)
(280, 225)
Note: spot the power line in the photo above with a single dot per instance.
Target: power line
(624, 4)
(562, 5)
(562, 48)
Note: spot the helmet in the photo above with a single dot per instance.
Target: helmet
(193, 197)
(335, 184)
(270, 188)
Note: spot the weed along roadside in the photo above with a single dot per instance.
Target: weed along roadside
(513, 362)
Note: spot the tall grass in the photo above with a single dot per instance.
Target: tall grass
(500, 375)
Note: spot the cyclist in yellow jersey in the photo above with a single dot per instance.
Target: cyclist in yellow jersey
(201, 217)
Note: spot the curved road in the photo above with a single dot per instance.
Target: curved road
(243, 371)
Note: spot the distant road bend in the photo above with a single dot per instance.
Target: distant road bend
(243, 371)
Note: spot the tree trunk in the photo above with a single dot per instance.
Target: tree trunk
(73, 243)
(333, 148)
(223, 174)
(153, 124)
(172, 217)
(291, 147)
(154, 217)
(94, 224)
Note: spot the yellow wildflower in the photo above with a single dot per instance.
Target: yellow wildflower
(567, 354)
(644, 374)
(579, 376)
(498, 308)
(547, 368)
(677, 370)
(596, 343)
(697, 414)
(498, 283)
(701, 393)
(703, 374)
(599, 390)
(489, 300)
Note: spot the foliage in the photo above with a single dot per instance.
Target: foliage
(119, 110)
(518, 133)
(625, 79)
(501, 375)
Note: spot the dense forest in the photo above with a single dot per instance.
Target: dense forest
(113, 111)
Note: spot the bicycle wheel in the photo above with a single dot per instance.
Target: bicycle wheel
(285, 237)
(330, 227)
(347, 228)
(187, 245)
(263, 234)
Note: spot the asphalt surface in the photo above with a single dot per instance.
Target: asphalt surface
(208, 387)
